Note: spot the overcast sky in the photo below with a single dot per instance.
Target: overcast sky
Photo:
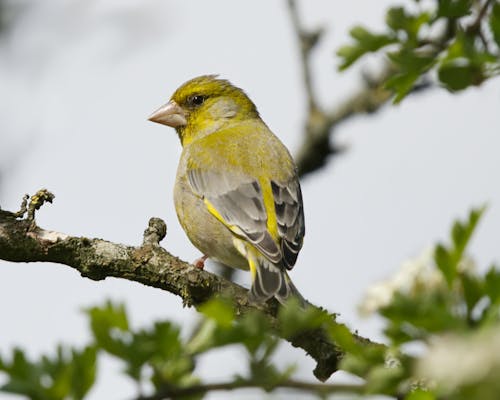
(78, 80)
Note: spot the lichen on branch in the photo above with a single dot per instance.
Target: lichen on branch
(21, 240)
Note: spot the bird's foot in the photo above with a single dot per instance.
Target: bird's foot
(200, 262)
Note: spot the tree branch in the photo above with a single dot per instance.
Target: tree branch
(21, 240)
(316, 146)
(321, 389)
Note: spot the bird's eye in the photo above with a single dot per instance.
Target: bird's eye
(196, 100)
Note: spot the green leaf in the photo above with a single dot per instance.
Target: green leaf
(396, 18)
(157, 346)
(409, 60)
(399, 333)
(342, 336)
(253, 331)
(492, 284)
(495, 22)
(420, 394)
(68, 374)
(458, 77)
(445, 263)
(84, 371)
(383, 379)
(465, 48)
(23, 377)
(447, 259)
(350, 55)
(294, 319)
(399, 20)
(454, 8)
(204, 338)
(427, 311)
(411, 66)
(368, 40)
(219, 310)
(364, 42)
(465, 63)
(462, 232)
(401, 84)
(361, 364)
(109, 325)
(473, 290)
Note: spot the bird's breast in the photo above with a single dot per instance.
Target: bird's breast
(205, 231)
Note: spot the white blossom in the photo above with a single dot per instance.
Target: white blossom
(413, 276)
(455, 360)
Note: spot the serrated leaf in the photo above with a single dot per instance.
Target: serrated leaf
(159, 345)
(349, 54)
(399, 20)
(364, 42)
(69, 373)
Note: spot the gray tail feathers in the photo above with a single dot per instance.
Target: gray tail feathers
(270, 280)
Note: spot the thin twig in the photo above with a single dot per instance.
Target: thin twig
(476, 26)
(307, 40)
(176, 392)
(480, 16)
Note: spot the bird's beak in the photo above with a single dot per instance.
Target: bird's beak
(170, 114)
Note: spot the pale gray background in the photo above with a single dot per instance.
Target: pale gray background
(78, 80)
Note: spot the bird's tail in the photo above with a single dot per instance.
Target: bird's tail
(270, 280)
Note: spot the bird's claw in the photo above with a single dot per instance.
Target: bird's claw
(200, 262)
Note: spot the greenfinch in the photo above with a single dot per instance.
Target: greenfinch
(237, 194)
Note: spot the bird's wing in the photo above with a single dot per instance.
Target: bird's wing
(290, 218)
(238, 201)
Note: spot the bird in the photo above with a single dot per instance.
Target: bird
(237, 193)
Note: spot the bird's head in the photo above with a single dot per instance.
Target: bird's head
(203, 105)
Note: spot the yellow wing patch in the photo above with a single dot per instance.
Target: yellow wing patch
(267, 194)
(216, 214)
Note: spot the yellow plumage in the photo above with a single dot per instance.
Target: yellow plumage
(237, 193)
